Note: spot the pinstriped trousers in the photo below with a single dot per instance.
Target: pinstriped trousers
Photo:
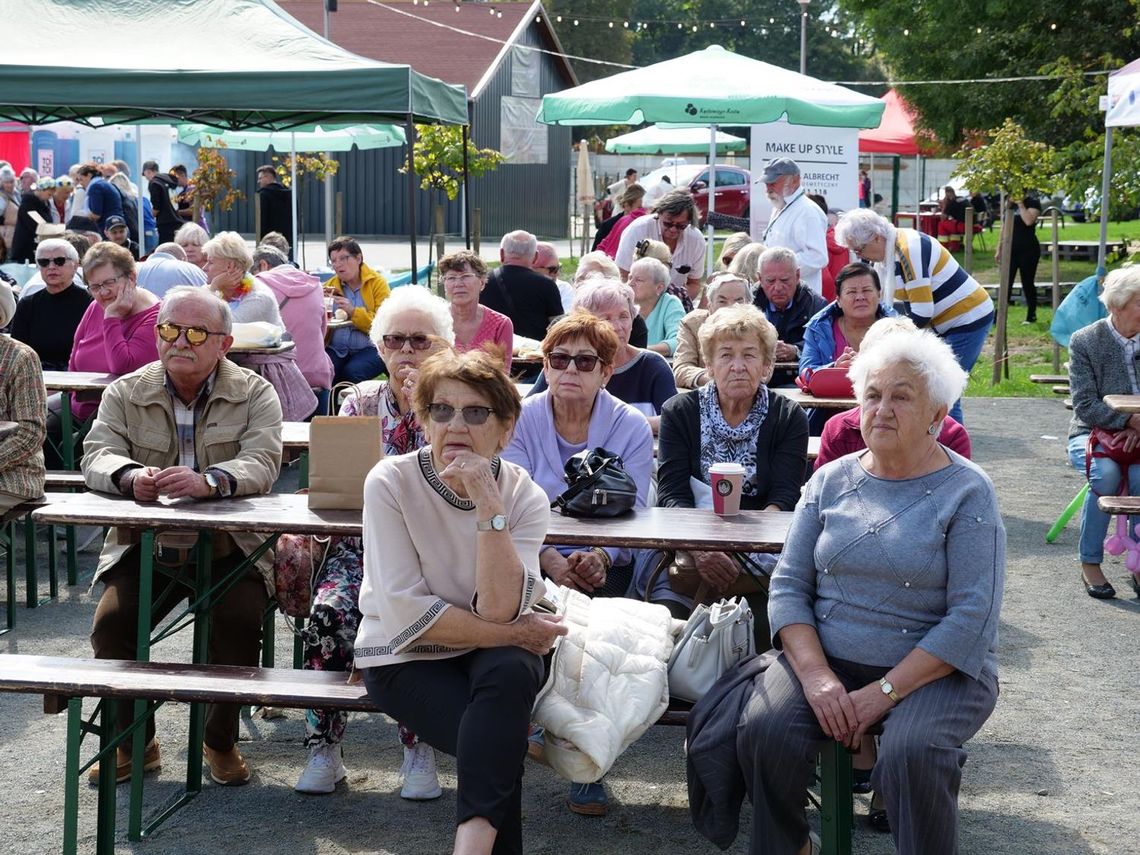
(918, 771)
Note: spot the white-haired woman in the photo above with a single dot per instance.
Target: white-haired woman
(723, 290)
(1102, 362)
(746, 262)
(641, 378)
(886, 599)
(192, 237)
(661, 312)
(730, 248)
(409, 326)
(920, 273)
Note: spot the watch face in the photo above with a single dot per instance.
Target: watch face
(498, 522)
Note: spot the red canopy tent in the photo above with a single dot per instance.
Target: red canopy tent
(894, 136)
(15, 144)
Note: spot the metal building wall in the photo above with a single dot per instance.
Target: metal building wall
(523, 196)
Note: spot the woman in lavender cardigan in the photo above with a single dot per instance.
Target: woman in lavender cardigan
(573, 414)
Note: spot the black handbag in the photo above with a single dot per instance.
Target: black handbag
(599, 486)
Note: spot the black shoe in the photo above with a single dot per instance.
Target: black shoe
(877, 819)
(1136, 585)
(862, 781)
(1100, 592)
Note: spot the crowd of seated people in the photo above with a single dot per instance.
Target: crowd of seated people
(436, 599)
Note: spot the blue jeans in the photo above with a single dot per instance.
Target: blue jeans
(967, 347)
(356, 367)
(1104, 480)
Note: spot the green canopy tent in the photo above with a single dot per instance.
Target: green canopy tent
(658, 140)
(707, 88)
(243, 64)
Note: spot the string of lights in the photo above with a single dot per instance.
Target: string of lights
(592, 60)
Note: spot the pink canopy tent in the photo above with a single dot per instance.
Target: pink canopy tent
(894, 136)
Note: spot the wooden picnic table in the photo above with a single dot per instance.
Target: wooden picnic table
(812, 402)
(275, 350)
(67, 383)
(1123, 403)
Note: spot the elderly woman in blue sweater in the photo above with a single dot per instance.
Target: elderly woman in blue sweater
(885, 608)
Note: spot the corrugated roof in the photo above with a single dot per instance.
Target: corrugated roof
(409, 32)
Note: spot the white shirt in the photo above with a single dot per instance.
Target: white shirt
(652, 194)
(566, 292)
(690, 252)
(801, 226)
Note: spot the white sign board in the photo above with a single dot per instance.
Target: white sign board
(828, 159)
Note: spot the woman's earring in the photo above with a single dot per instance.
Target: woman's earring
(932, 430)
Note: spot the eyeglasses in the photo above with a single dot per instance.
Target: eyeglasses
(455, 279)
(57, 260)
(584, 362)
(675, 225)
(105, 285)
(473, 416)
(196, 336)
(397, 342)
(554, 268)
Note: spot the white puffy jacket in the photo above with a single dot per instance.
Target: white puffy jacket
(608, 682)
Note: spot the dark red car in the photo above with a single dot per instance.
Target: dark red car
(733, 191)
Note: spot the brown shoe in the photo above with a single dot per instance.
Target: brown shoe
(151, 763)
(227, 768)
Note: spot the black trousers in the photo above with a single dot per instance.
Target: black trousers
(1024, 261)
(477, 708)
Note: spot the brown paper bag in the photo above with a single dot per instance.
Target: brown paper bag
(342, 451)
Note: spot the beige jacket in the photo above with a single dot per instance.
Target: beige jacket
(238, 432)
(687, 363)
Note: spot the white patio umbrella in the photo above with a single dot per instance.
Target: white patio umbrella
(658, 140)
(707, 88)
(585, 189)
(1123, 112)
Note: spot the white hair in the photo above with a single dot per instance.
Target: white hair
(191, 234)
(859, 227)
(227, 246)
(596, 262)
(206, 297)
(923, 352)
(719, 280)
(1120, 286)
(519, 244)
(414, 298)
(657, 271)
(48, 248)
(599, 293)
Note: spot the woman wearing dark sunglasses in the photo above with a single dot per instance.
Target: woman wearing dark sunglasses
(410, 326)
(573, 414)
(47, 319)
(449, 642)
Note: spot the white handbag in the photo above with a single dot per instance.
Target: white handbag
(714, 639)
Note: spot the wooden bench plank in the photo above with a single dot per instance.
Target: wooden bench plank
(1119, 504)
(1048, 378)
(1061, 390)
(60, 480)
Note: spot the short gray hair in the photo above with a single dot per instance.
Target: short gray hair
(746, 262)
(719, 280)
(593, 263)
(598, 294)
(859, 227)
(519, 244)
(657, 271)
(222, 313)
(47, 248)
(740, 323)
(229, 246)
(777, 255)
(171, 248)
(271, 255)
(1120, 286)
(414, 298)
(191, 234)
(923, 352)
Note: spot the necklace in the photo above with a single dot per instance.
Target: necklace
(242, 289)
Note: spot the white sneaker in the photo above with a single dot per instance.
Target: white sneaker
(324, 769)
(421, 783)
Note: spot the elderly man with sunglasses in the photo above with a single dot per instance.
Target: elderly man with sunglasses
(674, 222)
(191, 426)
(46, 321)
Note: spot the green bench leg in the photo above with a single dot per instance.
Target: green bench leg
(31, 559)
(105, 828)
(53, 568)
(72, 560)
(10, 573)
(303, 471)
(71, 777)
(138, 739)
(267, 639)
(298, 645)
(837, 814)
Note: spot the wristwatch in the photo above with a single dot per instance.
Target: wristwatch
(496, 523)
(889, 690)
(212, 483)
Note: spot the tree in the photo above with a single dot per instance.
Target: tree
(438, 153)
(998, 38)
(1015, 165)
(592, 36)
(213, 181)
(315, 165)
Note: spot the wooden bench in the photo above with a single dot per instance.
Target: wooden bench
(65, 682)
(1049, 378)
(1061, 389)
(1119, 504)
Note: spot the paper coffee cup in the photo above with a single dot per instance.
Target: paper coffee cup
(726, 480)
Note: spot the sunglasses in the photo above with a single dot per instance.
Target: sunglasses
(472, 416)
(57, 260)
(675, 225)
(195, 335)
(584, 362)
(396, 342)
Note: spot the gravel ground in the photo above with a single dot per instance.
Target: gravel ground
(1049, 773)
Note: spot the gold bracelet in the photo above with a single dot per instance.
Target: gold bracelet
(607, 562)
